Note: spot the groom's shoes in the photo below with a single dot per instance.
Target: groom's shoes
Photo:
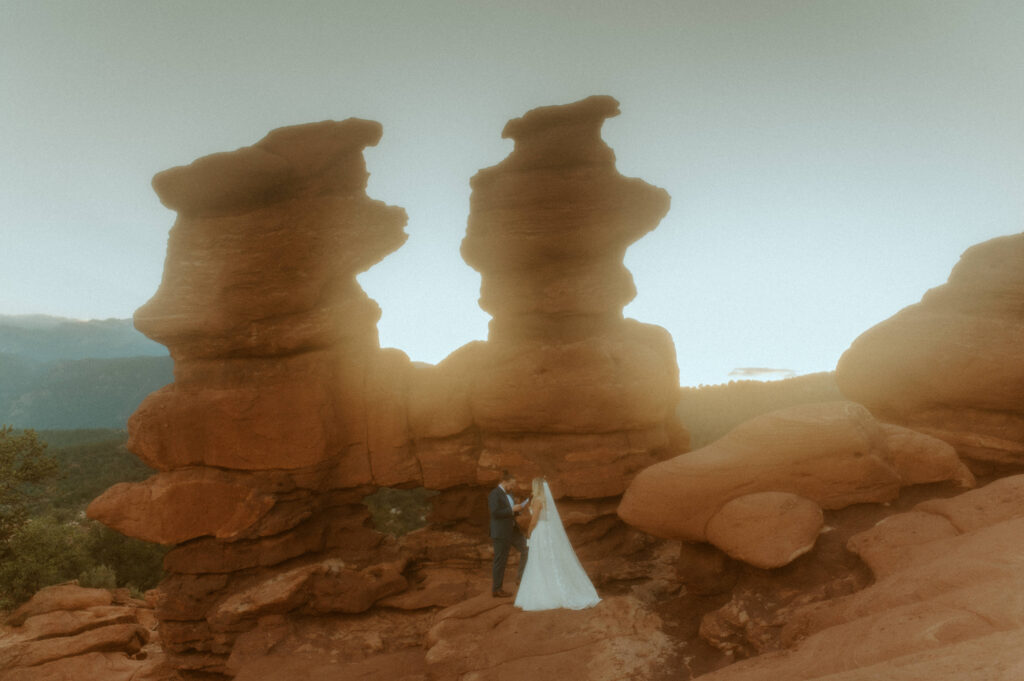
(500, 593)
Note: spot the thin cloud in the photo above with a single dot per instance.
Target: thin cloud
(762, 373)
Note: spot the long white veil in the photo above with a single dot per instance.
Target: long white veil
(554, 577)
(550, 514)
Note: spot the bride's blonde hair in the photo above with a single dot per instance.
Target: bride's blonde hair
(538, 488)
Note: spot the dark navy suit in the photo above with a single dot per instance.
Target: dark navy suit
(504, 534)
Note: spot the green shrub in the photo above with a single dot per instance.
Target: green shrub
(399, 511)
(25, 471)
(135, 562)
(41, 552)
(98, 577)
(50, 549)
(45, 538)
(90, 465)
(711, 411)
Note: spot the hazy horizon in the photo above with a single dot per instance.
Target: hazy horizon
(45, 321)
(828, 162)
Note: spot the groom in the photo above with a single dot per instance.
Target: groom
(504, 531)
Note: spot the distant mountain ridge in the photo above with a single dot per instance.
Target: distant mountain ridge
(44, 339)
(58, 373)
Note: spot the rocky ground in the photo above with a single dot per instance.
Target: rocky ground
(927, 586)
(69, 632)
(945, 602)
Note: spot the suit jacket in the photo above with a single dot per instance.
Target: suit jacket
(503, 521)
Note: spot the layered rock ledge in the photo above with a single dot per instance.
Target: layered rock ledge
(70, 632)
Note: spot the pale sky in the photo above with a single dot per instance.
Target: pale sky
(828, 162)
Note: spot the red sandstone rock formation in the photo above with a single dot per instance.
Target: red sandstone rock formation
(952, 365)
(564, 386)
(757, 492)
(273, 339)
(945, 607)
(69, 632)
(285, 413)
(280, 416)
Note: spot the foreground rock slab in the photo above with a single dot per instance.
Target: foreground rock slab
(67, 632)
(947, 604)
(382, 645)
(487, 639)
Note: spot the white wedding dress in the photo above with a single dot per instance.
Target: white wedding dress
(554, 577)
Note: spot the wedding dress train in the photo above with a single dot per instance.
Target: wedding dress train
(554, 577)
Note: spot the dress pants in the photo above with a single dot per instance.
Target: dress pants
(501, 548)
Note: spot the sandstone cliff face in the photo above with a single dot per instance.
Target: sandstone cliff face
(952, 365)
(285, 414)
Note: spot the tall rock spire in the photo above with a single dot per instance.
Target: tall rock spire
(284, 410)
(549, 226)
(565, 386)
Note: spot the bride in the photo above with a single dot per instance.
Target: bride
(554, 577)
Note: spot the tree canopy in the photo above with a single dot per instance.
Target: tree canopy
(25, 469)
